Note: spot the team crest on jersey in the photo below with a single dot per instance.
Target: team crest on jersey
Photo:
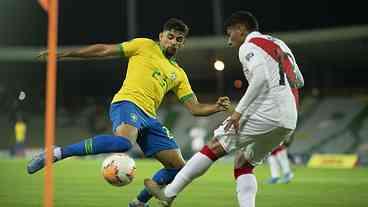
(246, 71)
(133, 117)
(172, 76)
(249, 56)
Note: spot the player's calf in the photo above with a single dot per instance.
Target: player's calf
(213, 150)
(159, 192)
(96, 145)
(246, 183)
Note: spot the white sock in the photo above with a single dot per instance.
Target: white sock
(57, 153)
(246, 189)
(284, 161)
(274, 166)
(195, 167)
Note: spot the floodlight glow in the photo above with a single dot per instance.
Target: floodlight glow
(219, 65)
(22, 96)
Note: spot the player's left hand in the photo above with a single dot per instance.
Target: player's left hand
(223, 103)
(233, 121)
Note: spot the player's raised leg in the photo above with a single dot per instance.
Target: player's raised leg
(285, 166)
(162, 177)
(194, 168)
(173, 161)
(95, 145)
(125, 127)
(158, 142)
(274, 166)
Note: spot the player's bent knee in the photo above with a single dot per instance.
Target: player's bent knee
(213, 150)
(215, 146)
(127, 131)
(243, 171)
(241, 165)
(177, 164)
(171, 159)
(239, 159)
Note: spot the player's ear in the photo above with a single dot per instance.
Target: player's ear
(182, 43)
(160, 36)
(243, 30)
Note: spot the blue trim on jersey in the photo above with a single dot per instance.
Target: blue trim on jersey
(153, 137)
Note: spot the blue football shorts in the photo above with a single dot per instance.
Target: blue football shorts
(153, 137)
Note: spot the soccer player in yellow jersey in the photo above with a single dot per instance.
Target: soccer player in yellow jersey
(20, 131)
(152, 72)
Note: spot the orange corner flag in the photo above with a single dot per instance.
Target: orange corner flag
(44, 4)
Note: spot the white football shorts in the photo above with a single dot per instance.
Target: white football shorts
(255, 147)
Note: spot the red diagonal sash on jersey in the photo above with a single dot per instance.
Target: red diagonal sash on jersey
(273, 50)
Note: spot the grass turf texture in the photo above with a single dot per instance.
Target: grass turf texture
(78, 183)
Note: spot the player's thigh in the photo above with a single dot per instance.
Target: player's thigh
(260, 146)
(239, 159)
(224, 141)
(171, 158)
(156, 138)
(217, 147)
(127, 131)
(126, 119)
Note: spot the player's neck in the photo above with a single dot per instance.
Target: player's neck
(169, 55)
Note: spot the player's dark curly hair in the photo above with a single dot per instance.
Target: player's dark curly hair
(177, 25)
(243, 17)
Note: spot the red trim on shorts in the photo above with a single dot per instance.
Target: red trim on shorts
(243, 170)
(209, 153)
(277, 150)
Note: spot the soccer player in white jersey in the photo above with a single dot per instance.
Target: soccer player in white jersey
(278, 159)
(279, 165)
(265, 116)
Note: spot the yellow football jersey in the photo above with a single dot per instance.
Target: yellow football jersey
(20, 130)
(150, 75)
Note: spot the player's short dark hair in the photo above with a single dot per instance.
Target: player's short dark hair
(177, 25)
(242, 17)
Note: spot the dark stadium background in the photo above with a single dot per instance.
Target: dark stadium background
(329, 39)
(332, 65)
(23, 24)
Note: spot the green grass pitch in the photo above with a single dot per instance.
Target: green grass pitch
(78, 183)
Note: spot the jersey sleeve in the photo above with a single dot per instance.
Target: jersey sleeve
(297, 81)
(255, 64)
(134, 46)
(250, 57)
(256, 83)
(183, 91)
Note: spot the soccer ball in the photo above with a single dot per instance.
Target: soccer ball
(118, 169)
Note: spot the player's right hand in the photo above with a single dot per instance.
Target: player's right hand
(233, 122)
(223, 103)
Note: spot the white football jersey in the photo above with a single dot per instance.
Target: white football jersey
(274, 104)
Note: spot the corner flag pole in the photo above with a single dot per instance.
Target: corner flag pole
(50, 101)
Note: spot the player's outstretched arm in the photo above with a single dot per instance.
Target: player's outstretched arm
(255, 85)
(88, 52)
(200, 109)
